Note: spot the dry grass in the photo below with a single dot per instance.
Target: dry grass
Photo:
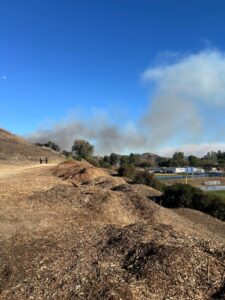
(16, 151)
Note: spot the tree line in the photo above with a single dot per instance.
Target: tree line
(83, 149)
(211, 159)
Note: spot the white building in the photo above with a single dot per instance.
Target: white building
(187, 170)
(177, 170)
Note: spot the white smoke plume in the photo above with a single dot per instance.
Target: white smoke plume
(192, 149)
(186, 96)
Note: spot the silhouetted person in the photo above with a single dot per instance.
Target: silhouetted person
(40, 160)
(46, 160)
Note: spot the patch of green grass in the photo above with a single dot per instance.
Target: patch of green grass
(220, 194)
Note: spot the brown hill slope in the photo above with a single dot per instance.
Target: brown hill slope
(15, 149)
(100, 239)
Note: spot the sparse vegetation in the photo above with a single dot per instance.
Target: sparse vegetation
(67, 154)
(127, 171)
(104, 162)
(94, 161)
(50, 145)
(148, 179)
(140, 177)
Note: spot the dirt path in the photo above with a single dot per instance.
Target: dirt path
(10, 170)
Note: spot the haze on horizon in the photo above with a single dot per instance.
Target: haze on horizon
(129, 76)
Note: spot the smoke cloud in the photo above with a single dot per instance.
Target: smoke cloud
(192, 149)
(186, 96)
(106, 137)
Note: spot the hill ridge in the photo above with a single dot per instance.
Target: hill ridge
(15, 149)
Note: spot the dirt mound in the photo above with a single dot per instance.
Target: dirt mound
(106, 182)
(146, 191)
(102, 239)
(171, 270)
(100, 204)
(14, 149)
(161, 263)
(78, 172)
(140, 189)
(202, 220)
(134, 262)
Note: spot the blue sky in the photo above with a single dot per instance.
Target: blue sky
(61, 56)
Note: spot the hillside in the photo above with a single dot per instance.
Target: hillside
(72, 231)
(15, 149)
(149, 157)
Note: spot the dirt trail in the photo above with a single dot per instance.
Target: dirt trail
(6, 170)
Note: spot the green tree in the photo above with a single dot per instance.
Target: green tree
(114, 159)
(178, 156)
(82, 148)
(165, 162)
(208, 163)
(193, 161)
(178, 159)
(106, 159)
(133, 158)
(104, 162)
(124, 160)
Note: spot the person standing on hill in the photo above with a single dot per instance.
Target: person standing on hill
(46, 160)
(40, 161)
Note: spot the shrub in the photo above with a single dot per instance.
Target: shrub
(179, 195)
(67, 154)
(214, 206)
(104, 164)
(127, 171)
(183, 195)
(50, 145)
(94, 161)
(148, 179)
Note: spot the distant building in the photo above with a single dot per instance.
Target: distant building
(177, 170)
